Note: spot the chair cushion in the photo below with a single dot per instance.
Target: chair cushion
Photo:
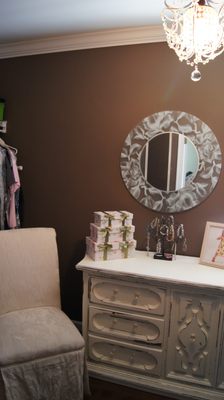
(36, 333)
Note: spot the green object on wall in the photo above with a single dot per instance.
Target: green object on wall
(2, 109)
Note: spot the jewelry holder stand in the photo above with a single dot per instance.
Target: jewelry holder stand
(167, 237)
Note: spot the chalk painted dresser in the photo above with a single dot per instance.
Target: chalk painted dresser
(155, 325)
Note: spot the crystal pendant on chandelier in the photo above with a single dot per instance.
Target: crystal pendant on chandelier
(194, 30)
(195, 75)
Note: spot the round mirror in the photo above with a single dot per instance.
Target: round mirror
(150, 167)
(169, 161)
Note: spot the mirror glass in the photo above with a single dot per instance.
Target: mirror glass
(169, 161)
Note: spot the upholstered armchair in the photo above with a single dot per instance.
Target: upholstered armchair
(41, 351)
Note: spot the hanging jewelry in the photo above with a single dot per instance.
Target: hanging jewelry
(174, 250)
(154, 223)
(184, 245)
(148, 241)
(158, 246)
(157, 226)
(167, 237)
(180, 231)
(163, 230)
(170, 234)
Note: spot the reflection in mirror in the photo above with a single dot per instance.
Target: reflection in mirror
(169, 161)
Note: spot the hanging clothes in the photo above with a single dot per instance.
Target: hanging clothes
(2, 187)
(14, 186)
(9, 187)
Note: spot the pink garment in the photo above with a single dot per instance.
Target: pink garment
(11, 216)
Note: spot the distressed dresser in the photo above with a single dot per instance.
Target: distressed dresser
(155, 325)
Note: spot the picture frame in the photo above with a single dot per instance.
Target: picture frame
(212, 251)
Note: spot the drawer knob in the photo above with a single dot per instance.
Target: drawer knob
(135, 301)
(193, 337)
(132, 358)
(115, 292)
(135, 326)
(114, 321)
(112, 352)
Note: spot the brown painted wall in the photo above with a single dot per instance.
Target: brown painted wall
(69, 113)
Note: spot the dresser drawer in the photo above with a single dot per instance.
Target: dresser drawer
(128, 295)
(142, 359)
(126, 325)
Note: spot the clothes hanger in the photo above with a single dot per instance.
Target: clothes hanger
(7, 146)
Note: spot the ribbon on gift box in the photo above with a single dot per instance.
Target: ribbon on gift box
(125, 247)
(110, 218)
(105, 247)
(106, 232)
(124, 216)
(124, 230)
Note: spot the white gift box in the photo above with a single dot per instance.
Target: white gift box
(126, 217)
(109, 251)
(107, 218)
(128, 248)
(110, 235)
(99, 255)
(102, 251)
(99, 246)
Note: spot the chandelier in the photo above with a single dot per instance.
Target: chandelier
(194, 30)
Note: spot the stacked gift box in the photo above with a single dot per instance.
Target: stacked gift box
(111, 236)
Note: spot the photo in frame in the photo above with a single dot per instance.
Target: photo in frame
(212, 251)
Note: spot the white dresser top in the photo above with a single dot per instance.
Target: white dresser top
(184, 269)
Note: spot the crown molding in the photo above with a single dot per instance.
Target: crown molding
(87, 40)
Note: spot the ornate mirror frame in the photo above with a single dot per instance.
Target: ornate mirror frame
(195, 191)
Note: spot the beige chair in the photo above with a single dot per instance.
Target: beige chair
(41, 351)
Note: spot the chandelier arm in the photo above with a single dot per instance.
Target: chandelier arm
(221, 11)
(214, 1)
(172, 7)
(169, 19)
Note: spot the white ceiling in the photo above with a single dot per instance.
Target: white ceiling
(30, 20)
(26, 19)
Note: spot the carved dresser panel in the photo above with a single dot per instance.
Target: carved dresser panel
(220, 380)
(193, 335)
(155, 325)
